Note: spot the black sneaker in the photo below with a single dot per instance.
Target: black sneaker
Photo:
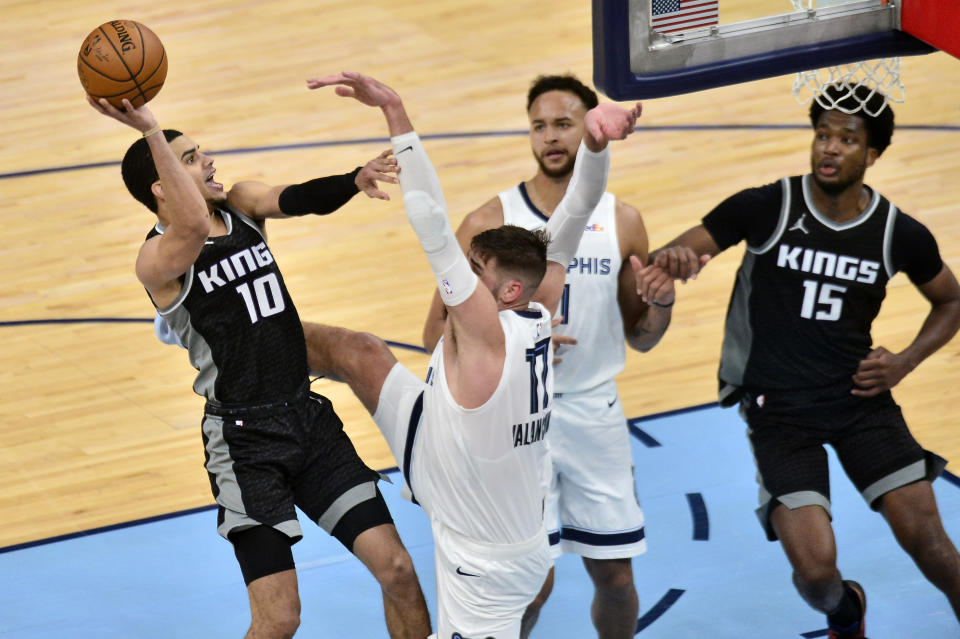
(858, 633)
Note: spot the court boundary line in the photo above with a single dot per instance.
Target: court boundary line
(294, 146)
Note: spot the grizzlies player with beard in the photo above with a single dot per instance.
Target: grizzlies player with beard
(270, 443)
(470, 440)
(592, 507)
(799, 359)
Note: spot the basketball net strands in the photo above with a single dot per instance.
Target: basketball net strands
(881, 76)
(654, 48)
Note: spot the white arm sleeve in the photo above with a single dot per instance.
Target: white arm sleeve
(427, 212)
(586, 187)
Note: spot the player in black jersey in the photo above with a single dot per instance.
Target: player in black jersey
(798, 356)
(270, 443)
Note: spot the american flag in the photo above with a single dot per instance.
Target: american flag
(673, 16)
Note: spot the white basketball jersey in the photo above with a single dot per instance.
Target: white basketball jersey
(482, 472)
(589, 304)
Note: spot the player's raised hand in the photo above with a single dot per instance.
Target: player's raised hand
(140, 118)
(376, 170)
(609, 121)
(362, 88)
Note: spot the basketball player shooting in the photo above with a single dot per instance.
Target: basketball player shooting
(270, 443)
(470, 440)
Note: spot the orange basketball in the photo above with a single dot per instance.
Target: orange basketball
(122, 59)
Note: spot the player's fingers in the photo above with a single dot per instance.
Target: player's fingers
(870, 365)
(565, 340)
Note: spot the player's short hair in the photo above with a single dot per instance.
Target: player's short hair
(568, 83)
(521, 253)
(139, 172)
(879, 127)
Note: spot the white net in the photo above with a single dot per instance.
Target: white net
(879, 76)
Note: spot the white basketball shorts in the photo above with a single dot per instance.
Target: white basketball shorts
(592, 508)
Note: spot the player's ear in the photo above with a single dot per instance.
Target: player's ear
(157, 190)
(511, 291)
(872, 155)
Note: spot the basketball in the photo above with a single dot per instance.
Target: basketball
(122, 59)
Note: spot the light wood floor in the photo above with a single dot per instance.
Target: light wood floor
(98, 424)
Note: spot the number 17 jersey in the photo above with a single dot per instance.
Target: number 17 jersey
(482, 472)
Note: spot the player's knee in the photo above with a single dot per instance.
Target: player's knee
(615, 575)
(276, 622)
(397, 576)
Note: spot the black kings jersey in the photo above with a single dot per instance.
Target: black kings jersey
(237, 321)
(809, 288)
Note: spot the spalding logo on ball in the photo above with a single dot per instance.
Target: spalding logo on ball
(122, 59)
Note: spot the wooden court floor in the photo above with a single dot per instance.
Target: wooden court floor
(98, 424)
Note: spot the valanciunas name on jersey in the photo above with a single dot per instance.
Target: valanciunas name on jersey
(531, 432)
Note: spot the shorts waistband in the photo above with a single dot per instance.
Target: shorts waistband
(495, 551)
(604, 387)
(222, 409)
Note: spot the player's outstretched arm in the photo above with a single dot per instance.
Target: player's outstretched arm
(320, 196)
(165, 257)
(684, 256)
(475, 358)
(603, 123)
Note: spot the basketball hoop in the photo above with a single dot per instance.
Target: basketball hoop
(880, 76)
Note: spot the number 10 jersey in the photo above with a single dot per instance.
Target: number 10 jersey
(237, 320)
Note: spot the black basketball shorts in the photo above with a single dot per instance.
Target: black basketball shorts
(263, 460)
(869, 435)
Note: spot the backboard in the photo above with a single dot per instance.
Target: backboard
(655, 48)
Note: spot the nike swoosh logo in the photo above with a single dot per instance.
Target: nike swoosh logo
(465, 574)
(611, 403)
(407, 148)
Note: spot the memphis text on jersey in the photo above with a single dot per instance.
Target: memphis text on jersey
(531, 432)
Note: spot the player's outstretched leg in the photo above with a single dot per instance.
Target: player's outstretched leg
(361, 360)
(913, 516)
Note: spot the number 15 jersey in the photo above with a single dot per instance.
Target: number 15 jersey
(809, 287)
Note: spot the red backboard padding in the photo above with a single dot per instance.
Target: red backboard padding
(936, 22)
